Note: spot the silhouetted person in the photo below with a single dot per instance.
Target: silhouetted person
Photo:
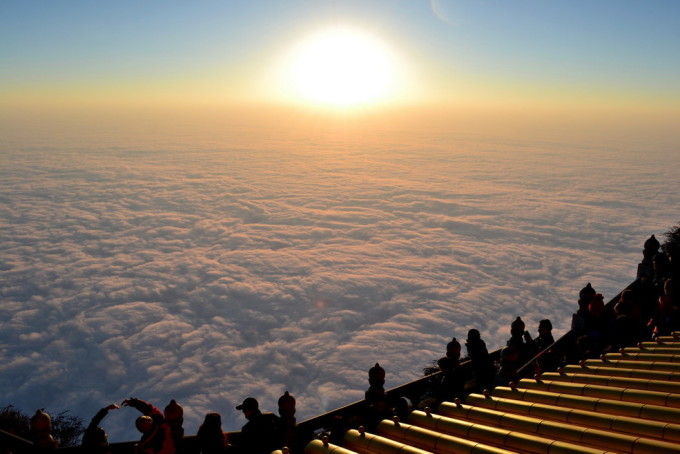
(210, 437)
(671, 248)
(482, 364)
(261, 434)
(599, 322)
(629, 303)
(521, 340)
(156, 434)
(545, 338)
(95, 439)
(626, 329)
(662, 271)
(174, 417)
(586, 348)
(451, 382)
(510, 364)
(666, 319)
(548, 361)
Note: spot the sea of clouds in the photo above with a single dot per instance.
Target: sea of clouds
(209, 274)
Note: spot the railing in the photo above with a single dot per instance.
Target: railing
(328, 421)
(15, 444)
(567, 342)
(412, 390)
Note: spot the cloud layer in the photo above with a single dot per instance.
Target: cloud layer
(215, 274)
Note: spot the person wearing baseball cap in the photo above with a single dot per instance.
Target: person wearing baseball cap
(261, 434)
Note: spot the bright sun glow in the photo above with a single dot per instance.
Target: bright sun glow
(341, 67)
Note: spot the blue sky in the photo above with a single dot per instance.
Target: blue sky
(607, 48)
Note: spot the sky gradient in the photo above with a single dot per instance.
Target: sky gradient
(614, 59)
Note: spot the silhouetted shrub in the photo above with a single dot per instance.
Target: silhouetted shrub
(672, 240)
(433, 369)
(672, 247)
(12, 420)
(65, 427)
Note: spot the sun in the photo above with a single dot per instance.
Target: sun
(341, 67)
